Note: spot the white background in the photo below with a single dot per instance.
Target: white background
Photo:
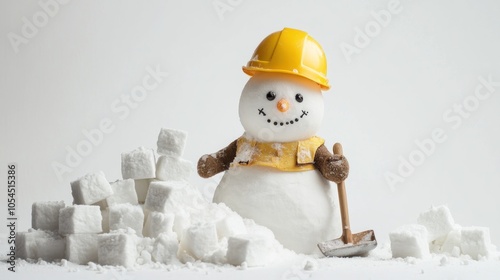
(393, 92)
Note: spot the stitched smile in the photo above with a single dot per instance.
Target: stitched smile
(282, 123)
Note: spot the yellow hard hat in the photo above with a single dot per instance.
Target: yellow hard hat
(290, 51)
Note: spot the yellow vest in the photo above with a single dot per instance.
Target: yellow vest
(288, 156)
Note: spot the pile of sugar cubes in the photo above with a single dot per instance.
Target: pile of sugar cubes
(436, 232)
(152, 215)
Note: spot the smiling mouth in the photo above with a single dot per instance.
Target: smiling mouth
(282, 123)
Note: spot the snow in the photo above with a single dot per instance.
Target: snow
(278, 147)
(187, 235)
(246, 151)
(253, 250)
(230, 226)
(378, 265)
(156, 258)
(304, 155)
(157, 223)
(200, 240)
(299, 207)
(165, 248)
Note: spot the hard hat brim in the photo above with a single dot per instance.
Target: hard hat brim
(252, 70)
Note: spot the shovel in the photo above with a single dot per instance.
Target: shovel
(348, 245)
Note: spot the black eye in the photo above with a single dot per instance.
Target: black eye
(270, 96)
(299, 97)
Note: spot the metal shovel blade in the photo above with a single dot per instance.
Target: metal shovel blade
(363, 242)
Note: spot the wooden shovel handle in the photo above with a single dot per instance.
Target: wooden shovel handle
(344, 211)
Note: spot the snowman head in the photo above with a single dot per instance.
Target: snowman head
(278, 107)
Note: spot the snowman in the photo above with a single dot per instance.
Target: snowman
(278, 172)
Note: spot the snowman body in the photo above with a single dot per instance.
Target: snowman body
(272, 179)
(298, 207)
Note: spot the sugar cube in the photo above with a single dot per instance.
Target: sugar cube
(26, 244)
(35, 244)
(45, 215)
(171, 142)
(451, 243)
(145, 246)
(123, 192)
(139, 164)
(116, 249)
(173, 169)
(165, 196)
(438, 221)
(230, 225)
(181, 223)
(145, 212)
(409, 241)
(102, 204)
(90, 188)
(254, 250)
(157, 223)
(200, 240)
(476, 242)
(80, 219)
(122, 216)
(51, 248)
(105, 220)
(81, 248)
(165, 248)
(141, 188)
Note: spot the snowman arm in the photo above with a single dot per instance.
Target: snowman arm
(333, 167)
(209, 165)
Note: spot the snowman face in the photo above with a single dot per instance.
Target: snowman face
(277, 107)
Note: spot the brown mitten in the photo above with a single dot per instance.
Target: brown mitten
(209, 165)
(333, 167)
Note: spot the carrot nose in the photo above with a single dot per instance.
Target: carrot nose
(283, 105)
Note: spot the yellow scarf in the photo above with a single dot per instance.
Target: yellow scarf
(288, 156)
